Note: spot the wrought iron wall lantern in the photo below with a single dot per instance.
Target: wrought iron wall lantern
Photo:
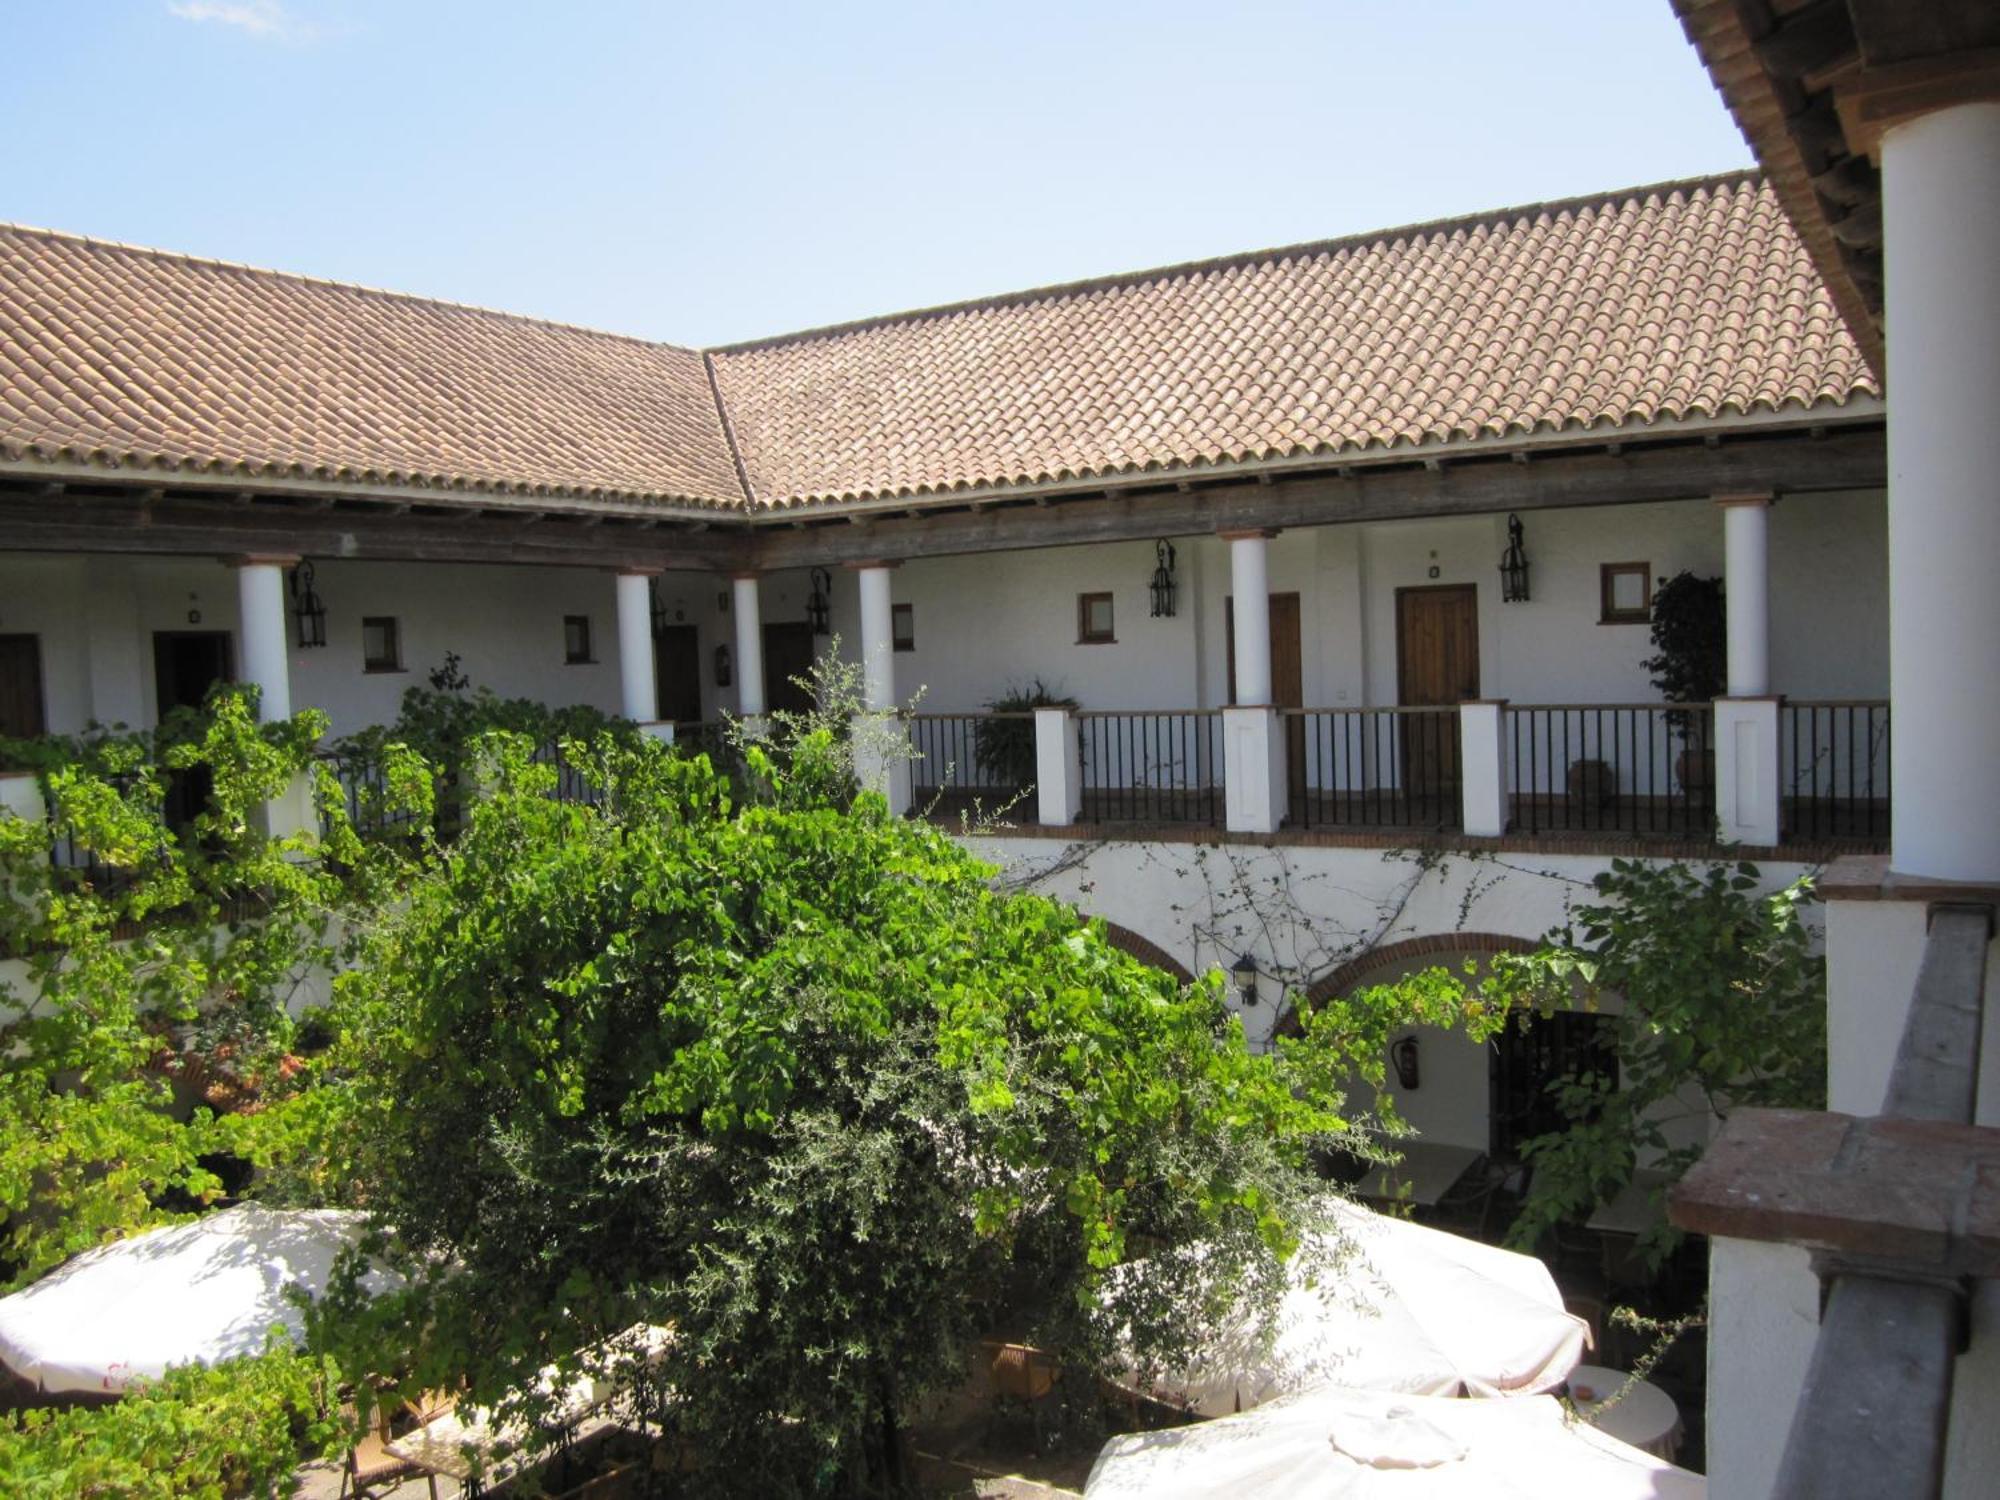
(724, 670)
(658, 607)
(1514, 566)
(1163, 580)
(819, 603)
(1245, 970)
(308, 613)
(1404, 1056)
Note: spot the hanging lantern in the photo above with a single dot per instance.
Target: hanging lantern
(1514, 566)
(1245, 970)
(724, 676)
(819, 604)
(1163, 580)
(308, 613)
(657, 606)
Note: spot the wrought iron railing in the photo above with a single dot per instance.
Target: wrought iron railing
(1646, 768)
(960, 759)
(364, 788)
(1833, 769)
(571, 783)
(1374, 767)
(1152, 767)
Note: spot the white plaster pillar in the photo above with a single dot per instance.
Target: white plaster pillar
(113, 642)
(1483, 766)
(1058, 768)
(749, 645)
(637, 684)
(1941, 303)
(21, 797)
(262, 631)
(1747, 804)
(1250, 590)
(1746, 550)
(1254, 790)
(878, 646)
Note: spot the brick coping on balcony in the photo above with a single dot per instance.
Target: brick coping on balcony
(1614, 846)
(1867, 877)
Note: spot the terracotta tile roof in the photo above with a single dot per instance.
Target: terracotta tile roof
(1690, 300)
(115, 355)
(1687, 300)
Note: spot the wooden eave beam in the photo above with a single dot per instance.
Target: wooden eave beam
(1850, 458)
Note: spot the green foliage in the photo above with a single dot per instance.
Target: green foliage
(239, 1428)
(158, 972)
(1690, 640)
(1724, 1007)
(788, 1076)
(1004, 749)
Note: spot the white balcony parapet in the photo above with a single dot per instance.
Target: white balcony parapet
(1058, 768)
(882, 758)
(1253, 770)
(1483, 767)
(658, 729)
(1746, 771)
(21, 796)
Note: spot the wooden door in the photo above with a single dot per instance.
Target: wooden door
(1287, 680)
(21, 687)
(186, 664)
(1528, 1059)
(1437, 662)
(788, 656)
(677, 673)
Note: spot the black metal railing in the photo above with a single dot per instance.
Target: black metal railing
(1646, 768)
(571, 783)
(960, 759)
(364, 788)
(1374, 767)
(709, 737)
(1833, 769)
(1152, 767)
(75, 861)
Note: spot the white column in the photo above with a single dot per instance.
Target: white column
(749, 646)
(878, 660)
(1058, 768)
(1254, 790)
(261, 628)
(1482, 760)
(1941, 303)
(1250, 587)
(1746, 552)
(637, 684)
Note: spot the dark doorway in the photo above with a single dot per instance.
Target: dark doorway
(21, 714)
(677, 673)
(1437, 664)
(788, 656)
(186, 664)
(1287, 678)
(1527, 1060)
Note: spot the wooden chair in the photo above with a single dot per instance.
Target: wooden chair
(1022, 1373)
(369, 1464)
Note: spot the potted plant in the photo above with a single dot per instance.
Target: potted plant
(1004, 749)
(1690, 664)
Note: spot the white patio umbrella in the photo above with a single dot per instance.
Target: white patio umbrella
(198, 1292)
(1410, 1309)
(1338, 1444)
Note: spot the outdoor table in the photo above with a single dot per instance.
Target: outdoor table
(1645, 1416)
(1428, 1169)
(1635, 1208)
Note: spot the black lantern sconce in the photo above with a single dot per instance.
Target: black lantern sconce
(1163, 580)
(1514, 566)
(724, 667)
(1245, 970)
(308, 613)
(819, 603)
(658, 607)
(1404, 1056)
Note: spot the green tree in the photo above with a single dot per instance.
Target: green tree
(158, 963)
(788, 1077)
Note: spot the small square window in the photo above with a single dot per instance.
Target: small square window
(903, 626)
(1626, 593)
(576, 640)
(1093, 620)
(381, 644)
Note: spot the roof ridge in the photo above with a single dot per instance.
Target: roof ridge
(185, 257)
(1054, 290)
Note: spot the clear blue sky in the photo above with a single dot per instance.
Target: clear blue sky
(717, 172)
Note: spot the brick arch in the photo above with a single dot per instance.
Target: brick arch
(1125, 940)
(1339, 980)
